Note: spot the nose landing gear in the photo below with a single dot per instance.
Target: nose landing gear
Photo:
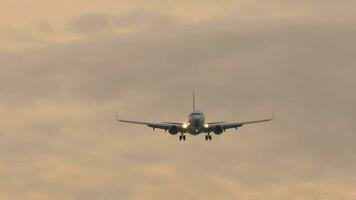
(182, 137)
(208, 137)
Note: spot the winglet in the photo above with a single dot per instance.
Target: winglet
(273, 114)
(193, 100)
(117, 118)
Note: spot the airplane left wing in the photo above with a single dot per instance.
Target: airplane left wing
(239, 124)
(236, 125)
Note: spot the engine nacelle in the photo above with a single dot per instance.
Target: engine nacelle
(173, 130)
(218, 130)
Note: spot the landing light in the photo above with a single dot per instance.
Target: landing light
(185, 125)
(206, 125)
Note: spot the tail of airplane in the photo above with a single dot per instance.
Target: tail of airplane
(193, 100)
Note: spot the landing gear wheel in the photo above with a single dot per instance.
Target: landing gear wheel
(182, 137)
(208, 137)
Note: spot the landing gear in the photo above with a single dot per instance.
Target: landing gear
(208, 137)
(182, 137)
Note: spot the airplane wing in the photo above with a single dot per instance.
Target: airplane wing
(213, 123)
(165, 126)
(175, 123)
(238, 124)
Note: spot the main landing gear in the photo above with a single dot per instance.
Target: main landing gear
(182, 137)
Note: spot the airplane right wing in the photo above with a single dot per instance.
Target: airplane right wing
(165, 125)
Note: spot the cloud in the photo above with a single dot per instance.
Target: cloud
(15, 37)
(59, 139)
(45, 27)
(101, 23)
(90, 23)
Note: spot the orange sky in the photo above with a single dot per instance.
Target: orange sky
(65, 67)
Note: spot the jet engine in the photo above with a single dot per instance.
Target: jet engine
(218, 130)
(173, 130)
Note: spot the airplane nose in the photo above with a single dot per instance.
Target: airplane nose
(196, 123)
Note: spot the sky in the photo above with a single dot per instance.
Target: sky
(65, 66)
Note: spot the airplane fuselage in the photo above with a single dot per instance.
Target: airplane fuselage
(196, 121)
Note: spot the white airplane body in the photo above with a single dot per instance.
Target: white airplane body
(195, 124)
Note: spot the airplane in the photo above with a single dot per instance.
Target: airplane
(195, 124)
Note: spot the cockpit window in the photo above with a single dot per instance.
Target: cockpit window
(196, 114)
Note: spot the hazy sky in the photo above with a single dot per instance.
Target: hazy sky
(64, 67)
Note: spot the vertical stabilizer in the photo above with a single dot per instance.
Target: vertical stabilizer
(193, 100)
